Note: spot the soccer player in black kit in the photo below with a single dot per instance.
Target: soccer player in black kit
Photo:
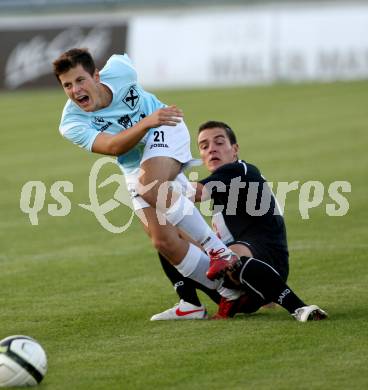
(247, 218)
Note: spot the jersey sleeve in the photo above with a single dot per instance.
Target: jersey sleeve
(77, 130)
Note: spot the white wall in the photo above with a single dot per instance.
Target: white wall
(250, 45)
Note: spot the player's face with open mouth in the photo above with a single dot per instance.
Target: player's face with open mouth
(81, 87)
(215, 148)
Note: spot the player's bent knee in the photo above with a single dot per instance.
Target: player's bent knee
(161, 244)
(149, 197)
(158, 197)
(148, 193)
(241, 250)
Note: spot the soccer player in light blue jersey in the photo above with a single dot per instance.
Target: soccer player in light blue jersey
(108, 112)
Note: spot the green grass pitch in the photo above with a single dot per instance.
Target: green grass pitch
(87, 294)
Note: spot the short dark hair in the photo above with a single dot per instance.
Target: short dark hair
(72, 58)
(228, 130)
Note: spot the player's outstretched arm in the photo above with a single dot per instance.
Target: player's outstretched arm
(116, 144)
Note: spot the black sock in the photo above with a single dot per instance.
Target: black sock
(186, 287)
(266, 282)
(183, 286)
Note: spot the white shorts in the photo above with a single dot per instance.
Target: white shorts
(168, 141)
(181, 183)
(164, 141)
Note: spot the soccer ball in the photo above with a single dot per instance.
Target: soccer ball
(23, 362)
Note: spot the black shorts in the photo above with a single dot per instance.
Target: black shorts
(277, 259)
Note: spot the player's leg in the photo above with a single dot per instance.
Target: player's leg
(248, 302)
(187, 258)
(189, 306)
(266, 282)
(186, 288)
(242, 248)
(263, 284)
(157, 172)
(164, 237)
(166, 150)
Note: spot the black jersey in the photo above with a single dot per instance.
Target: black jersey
(248, 210)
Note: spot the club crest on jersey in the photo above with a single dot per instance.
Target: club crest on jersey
(125, 121)
(131, 98)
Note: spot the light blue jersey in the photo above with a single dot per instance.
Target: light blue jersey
(130, 103)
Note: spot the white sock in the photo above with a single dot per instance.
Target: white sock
(186, 216)
(195, 265)
(229, 293)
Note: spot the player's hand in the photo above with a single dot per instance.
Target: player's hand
(167, 116)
